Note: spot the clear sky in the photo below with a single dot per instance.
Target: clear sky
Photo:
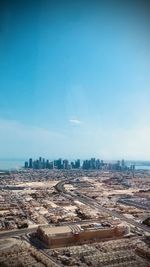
(74, 79)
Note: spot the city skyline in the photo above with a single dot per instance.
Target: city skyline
(86, 164)
(74, 80)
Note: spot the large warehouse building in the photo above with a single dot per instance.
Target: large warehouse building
(75, 234)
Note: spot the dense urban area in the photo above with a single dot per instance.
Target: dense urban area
(61, 213)
(91, 164)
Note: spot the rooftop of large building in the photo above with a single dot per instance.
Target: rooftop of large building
(56, 230)
(67, 229)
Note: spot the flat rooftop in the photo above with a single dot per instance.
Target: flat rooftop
(67, 229)
(56, 230)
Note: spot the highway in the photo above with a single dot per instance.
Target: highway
(85, 200)
(92, 203)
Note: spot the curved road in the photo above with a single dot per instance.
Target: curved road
(88, 201)
(85, 200)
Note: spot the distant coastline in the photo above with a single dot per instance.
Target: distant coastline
(11, 164)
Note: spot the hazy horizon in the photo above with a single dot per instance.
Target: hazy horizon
(75, 79)
(73, 159)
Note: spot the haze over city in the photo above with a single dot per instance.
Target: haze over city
(74, 80)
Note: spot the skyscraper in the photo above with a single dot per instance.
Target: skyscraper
(30, 163)
(26, 164)
(65, 164)
(77, 164)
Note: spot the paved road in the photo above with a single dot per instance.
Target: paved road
(11, 233)
(18, 232)
(86, 200)
(42, 250)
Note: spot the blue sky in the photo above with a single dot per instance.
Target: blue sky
(75, 80)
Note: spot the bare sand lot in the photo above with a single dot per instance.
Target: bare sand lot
(38, 184)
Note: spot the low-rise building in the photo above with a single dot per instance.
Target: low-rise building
(74, 234)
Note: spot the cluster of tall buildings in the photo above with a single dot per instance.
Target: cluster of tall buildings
(97, 164)
(59, 164)
(91, 164)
